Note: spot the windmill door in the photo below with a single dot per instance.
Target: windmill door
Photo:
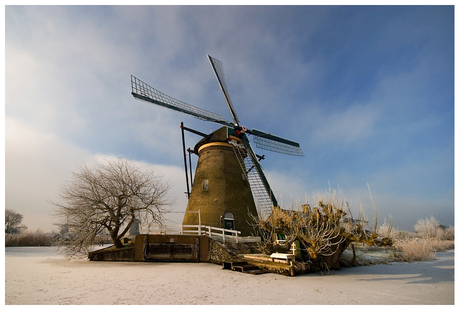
(229, 222)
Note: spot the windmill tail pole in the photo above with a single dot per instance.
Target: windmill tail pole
(185, 158)
(190, 165)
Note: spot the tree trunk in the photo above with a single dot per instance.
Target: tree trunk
(332, 261)
(117, 243)
(115, 238)
(353, 261)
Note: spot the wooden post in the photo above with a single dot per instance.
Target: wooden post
(199, 223)
(185, 159)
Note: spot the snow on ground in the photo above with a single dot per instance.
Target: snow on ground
(39, 276)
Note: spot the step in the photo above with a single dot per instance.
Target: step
(242, 266)
(245, 267)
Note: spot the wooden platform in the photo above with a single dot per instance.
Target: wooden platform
(242, 266)
(265, 262)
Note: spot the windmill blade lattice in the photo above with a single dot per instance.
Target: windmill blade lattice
(218, 69)
(145, 92)
(262, 139)
(262, 197)
(276, 144)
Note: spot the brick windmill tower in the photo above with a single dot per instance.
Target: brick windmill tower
(230, 187)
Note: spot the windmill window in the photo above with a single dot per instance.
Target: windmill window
(205, 185)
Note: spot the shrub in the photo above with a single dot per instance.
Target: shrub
(427, 228)
(418, 249)
(415, 250)
(448, 234)
(441, 245)
(403, 235)
(322, 230)
(387, 230)
(29, 238)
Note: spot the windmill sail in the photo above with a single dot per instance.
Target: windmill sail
(218, 69)
(274, 143)
(263, 197)
(262, 139)
(145, 92)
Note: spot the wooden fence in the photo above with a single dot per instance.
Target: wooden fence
(219, 234)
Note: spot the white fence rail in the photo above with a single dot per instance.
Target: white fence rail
(220, 234)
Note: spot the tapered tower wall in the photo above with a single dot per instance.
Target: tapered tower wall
(220, 189)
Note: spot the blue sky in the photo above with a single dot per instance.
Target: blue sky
(367, 91)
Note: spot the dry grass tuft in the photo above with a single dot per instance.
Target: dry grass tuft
(430, 237)
(418, 249)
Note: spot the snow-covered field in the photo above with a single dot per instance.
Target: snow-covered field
(39, 276)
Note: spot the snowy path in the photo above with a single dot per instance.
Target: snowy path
(38, 276)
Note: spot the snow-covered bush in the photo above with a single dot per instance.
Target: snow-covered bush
(427, 228)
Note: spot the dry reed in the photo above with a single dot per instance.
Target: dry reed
(420, 249)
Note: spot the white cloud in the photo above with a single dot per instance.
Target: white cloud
(288, 188)
(37, 163)
(355, 123)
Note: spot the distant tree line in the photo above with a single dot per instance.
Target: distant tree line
(30, 238)
(17, 234)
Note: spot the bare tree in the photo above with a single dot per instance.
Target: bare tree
(13, 222)
(111, 195)
(324, 231)
(319, 230)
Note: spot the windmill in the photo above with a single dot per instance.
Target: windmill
(229, 180)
